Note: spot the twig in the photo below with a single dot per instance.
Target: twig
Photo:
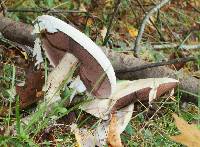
(111, 21)
(142, 67)
(173, 45)
(51, 11)
(186, 38)
(33, 10)
(144, 22)
(133, 10)
(165, 45)
(159, 32)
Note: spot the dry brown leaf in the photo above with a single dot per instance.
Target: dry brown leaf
(33, 84)
(132, 31)
(123, 117)
(114, 139)
(90, 22)
(189, 136)
(109, 3)
(195, 3)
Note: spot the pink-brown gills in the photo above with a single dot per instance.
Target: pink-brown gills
(90, 71)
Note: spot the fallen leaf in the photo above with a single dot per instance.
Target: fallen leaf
(33, 84)
(132, 31)
(114, 139)
(46, 136)
(195, 3)
(123, 116)
(190, 134)
(176, 55)
(109, 3)
(89, 22)
(4, 111)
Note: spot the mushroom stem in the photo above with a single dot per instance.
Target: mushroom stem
(61, 72)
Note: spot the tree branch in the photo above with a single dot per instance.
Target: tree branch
(144, 22)
(33, 10)
(159, 32)
(173, 45)
(111, 21)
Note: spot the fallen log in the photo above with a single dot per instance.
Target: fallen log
(21, 33)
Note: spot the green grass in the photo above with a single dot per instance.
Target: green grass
(150, 126)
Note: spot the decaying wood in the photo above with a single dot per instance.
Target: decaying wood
(16, 31)
(21, 33)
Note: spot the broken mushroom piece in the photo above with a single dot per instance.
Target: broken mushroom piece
(121, 104)
(128, 92)
(141, 90)
(104, 130)
(66, 47)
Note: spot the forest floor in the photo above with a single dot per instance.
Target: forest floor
(176, 23)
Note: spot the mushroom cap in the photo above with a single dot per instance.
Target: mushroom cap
(95, 69)
(128, 92)
(142, 89)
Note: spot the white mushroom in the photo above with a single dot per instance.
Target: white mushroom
(128, 92)
(65, 47)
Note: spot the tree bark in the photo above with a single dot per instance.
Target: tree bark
(21, 33)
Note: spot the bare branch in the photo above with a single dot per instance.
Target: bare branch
(157, 29)
(111, 21)
(33, 10)
(173, 45)
(144, 22)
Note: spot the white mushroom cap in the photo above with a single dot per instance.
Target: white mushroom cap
(66, 34)
(128, 92)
